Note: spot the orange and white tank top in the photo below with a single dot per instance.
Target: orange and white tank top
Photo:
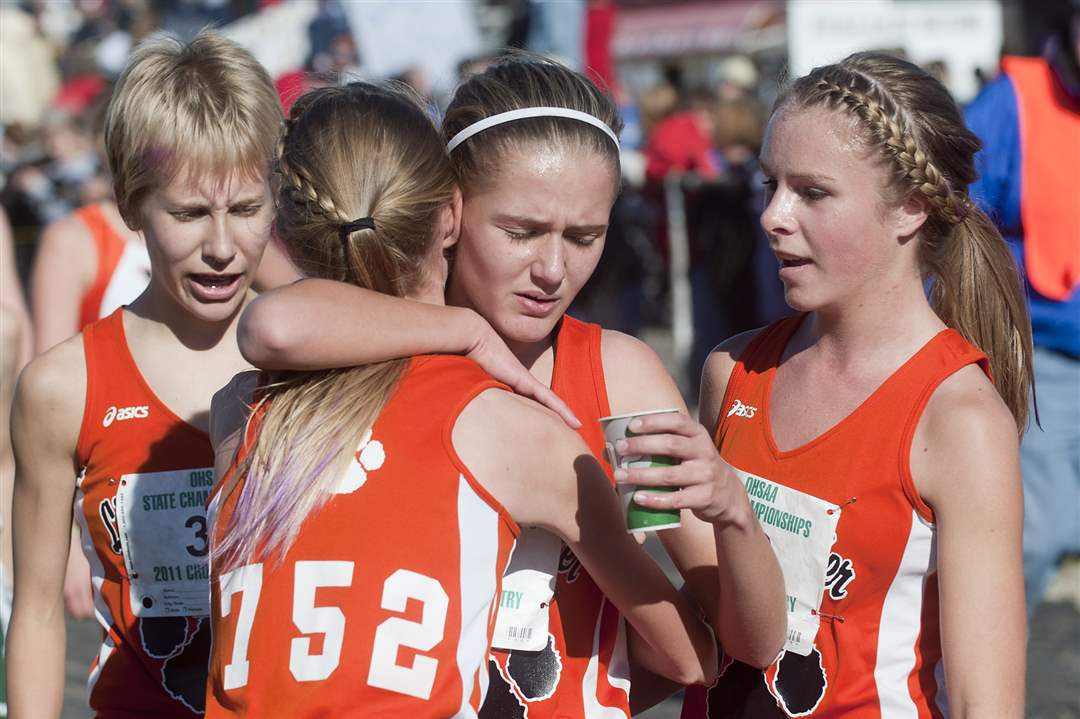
(855, 541)
(144, 480)
(383, 606)
(123, 268)
(575, 664)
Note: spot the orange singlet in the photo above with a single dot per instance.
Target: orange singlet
(845, 504)
(583, 672)
(123, 268)
(145, 476)
(383, 606)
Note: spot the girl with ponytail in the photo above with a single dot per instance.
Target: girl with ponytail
(886, 414)
(534, 148)
(375, 507)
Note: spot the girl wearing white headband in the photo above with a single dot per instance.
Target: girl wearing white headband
(534, 147)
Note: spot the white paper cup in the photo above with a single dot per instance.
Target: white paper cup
(638, 518)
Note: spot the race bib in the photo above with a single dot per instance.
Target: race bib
(165, 542)
(802, 529)
(527, 588)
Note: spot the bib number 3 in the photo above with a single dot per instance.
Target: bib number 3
(416, 680)
(161, 521)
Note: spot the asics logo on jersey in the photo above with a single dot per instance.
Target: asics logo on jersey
(120, 414)
(741, 410)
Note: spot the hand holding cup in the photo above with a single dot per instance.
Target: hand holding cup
(702, 481)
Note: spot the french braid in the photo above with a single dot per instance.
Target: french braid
(297, 186)
(889, 132)
(913, 122)
(358, 150)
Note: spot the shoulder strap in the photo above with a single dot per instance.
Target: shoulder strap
(103, 342)
(759, 356)
(947, 353)
(577, 348)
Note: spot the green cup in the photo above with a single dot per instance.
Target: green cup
(638, 518)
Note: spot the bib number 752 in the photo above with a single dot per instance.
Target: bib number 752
(416, 680)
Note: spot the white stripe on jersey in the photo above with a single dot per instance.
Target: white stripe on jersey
(128, 280)
(97, 578)
(901, 621)
(593, 708)
(619, 668)
(942, 700)
(478, 531)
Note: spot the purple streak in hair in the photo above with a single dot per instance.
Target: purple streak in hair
(284, 488)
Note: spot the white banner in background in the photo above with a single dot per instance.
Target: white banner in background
(964, 34)
(392, 37)
(277, 36)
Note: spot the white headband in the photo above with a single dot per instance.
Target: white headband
(481, 125)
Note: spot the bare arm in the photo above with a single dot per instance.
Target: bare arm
(319, 324)
(63, 269)
(16, 345)
(45, 426)
(720, 549)
(546, 477)
(965, 463)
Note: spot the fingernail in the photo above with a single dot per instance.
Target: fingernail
(635, 424)
(621, 475)
(575, 422)
(620, 445)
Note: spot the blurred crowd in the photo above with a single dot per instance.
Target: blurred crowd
(59, 60)
(697, 138)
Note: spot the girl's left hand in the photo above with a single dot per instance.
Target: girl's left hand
(706, 484)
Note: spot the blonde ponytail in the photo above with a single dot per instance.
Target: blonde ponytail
(360, 151)
(977, 291)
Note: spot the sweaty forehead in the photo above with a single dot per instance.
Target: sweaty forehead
(543, 156)
(800, 138)
(545, 181)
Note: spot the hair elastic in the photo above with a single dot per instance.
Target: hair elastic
(526, 112)
(363, 223)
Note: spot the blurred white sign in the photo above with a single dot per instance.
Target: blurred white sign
(964, 34)
(434, 36)
(277, 36)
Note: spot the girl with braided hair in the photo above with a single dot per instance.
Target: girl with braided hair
(377, 505)
(877, 431)
(534, 148)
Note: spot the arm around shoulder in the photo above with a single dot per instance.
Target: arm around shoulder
(46, 418)
(965, 465)
(320, 324)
